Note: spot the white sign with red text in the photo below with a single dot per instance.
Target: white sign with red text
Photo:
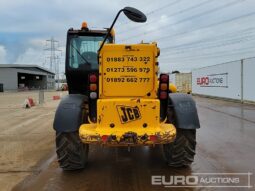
(223, 80)
(213, 80)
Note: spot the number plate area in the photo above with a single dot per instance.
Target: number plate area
(128, 71)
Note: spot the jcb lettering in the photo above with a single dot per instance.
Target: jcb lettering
(128, 114)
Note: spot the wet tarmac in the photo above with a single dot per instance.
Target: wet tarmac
(225, 144)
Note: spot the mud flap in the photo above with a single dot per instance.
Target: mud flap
(184, 111)
(68, 116)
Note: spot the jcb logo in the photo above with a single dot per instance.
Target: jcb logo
(128, 114)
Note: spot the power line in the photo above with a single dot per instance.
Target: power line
(199, 65)
(215, 54)
(209, 39)
(188, 18)
(207, 26)
(174, 14)
(155, 10)
(206, 47)
(119, 23)
(178, 65)
(201, 54)
(163, 7)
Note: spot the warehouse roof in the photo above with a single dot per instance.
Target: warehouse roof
(26, 67)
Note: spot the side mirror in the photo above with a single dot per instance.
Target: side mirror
(134, 15)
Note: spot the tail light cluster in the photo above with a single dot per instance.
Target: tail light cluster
(163, 91)
(163, 86)
(93, 86)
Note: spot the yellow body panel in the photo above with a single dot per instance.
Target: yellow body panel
(91, 134)
(128, 113)
(128, 71)
(129, 116)
(128, 110)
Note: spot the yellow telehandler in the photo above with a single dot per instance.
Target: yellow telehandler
(118, 98)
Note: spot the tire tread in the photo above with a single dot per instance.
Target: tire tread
(71, 152)
(181, 152)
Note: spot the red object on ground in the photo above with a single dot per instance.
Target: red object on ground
(31, 101)
(56, 97)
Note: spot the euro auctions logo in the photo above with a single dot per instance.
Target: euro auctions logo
(213, 80)
(203, 81)
(204, 180)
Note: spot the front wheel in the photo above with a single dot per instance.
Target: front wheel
(71, 152)
(181, 152)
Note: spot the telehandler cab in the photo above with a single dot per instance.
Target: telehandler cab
(118, 98)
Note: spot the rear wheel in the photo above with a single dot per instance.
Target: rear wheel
(71, 152)
(181, 152)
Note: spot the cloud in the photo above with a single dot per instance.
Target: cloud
(25, 25)
(2, 54)
(30, 56)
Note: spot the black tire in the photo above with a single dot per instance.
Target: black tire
(71, 152)
(181, 152)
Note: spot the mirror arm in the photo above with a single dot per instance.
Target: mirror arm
(109, 31)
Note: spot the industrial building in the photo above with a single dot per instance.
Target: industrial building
(25, 77)
(231, 80)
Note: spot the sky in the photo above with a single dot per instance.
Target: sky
(190, 34)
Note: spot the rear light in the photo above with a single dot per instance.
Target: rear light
(163, 92)
(92, 78)
(164, 78)
(93, 95)
(104, 138)
(163, 95)
(163, 86)
(93, 87)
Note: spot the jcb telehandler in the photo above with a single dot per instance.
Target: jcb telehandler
(118, 98)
